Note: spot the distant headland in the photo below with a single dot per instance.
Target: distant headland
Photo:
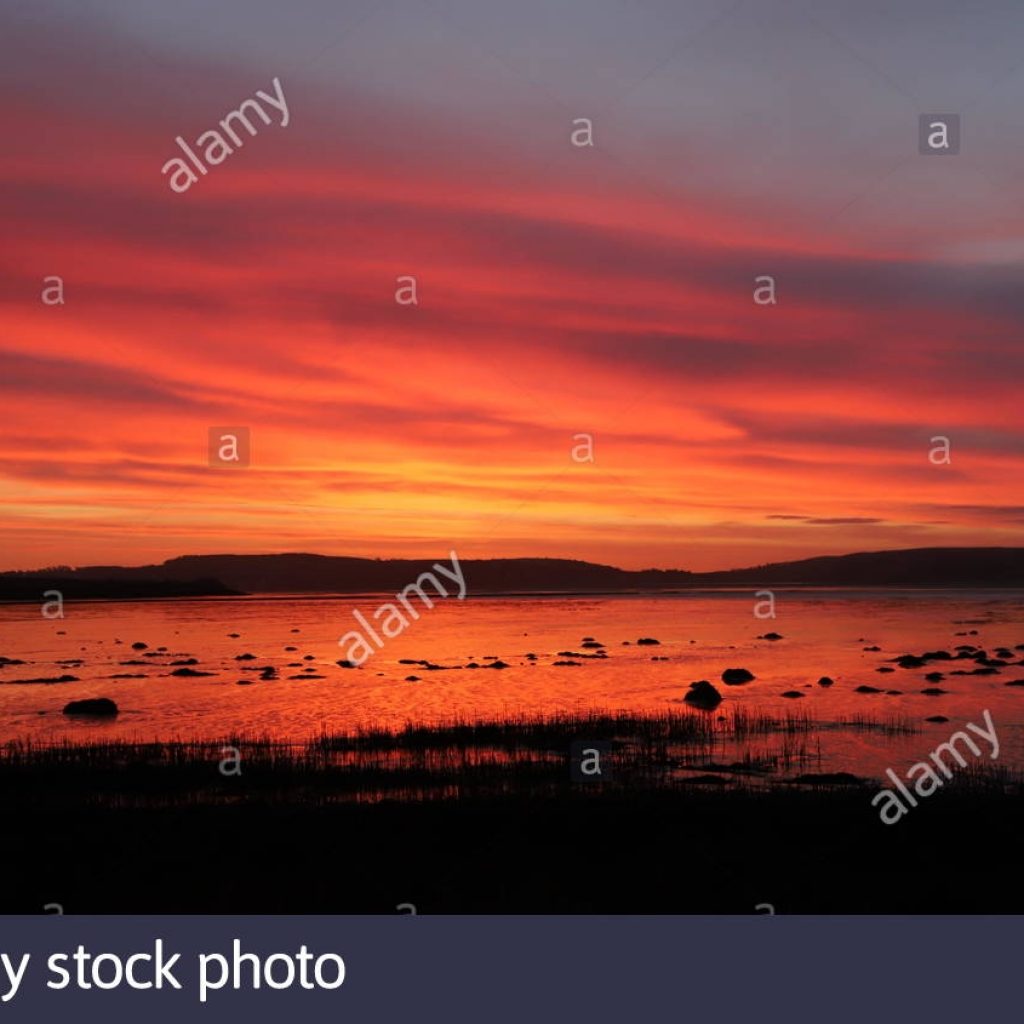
(227, 575)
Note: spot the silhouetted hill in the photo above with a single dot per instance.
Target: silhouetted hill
(290, 573)
(193, 575)
(916, 567)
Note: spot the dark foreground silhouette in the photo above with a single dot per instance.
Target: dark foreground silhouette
(483, 818)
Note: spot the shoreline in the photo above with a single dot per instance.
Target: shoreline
(703, 591)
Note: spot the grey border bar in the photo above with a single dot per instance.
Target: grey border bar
(538, 969)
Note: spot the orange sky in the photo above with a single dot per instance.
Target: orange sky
(605, 291)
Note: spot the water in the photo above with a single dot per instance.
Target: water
(825, 633)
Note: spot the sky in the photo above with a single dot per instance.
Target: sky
(562, 290)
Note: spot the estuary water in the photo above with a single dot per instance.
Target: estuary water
(293, 687)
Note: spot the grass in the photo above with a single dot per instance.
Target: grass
(459, 759)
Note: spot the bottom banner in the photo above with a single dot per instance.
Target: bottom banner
(487, 969)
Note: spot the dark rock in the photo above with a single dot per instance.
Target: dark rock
(771, 636)
(43, 680)
(648, 641)
(910, 661)
(493, 664)
(935, 677)
(184, 661)
(703, 695)
(894, 693)
(867, 689)
(98, 707)
(412, 679)
(825, 681)
(885, 668)
(1014, 682)
(934, 691)
(245, 657)
(567, 664)
(139, 646)
(243, 682)
(937, 718)
(191, 672)
(872, 648)
(10, 661)
(791, 694)
(345, 663)
(588, 645)
(737, 676)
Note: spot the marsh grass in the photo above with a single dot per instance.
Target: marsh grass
(455, 759)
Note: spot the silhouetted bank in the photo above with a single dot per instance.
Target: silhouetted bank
(207, 575)
(484, 818)
(79, 586)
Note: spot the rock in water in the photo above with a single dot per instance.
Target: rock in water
(703, 695)
(101, 707)
(737, 676)
(825, 681)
